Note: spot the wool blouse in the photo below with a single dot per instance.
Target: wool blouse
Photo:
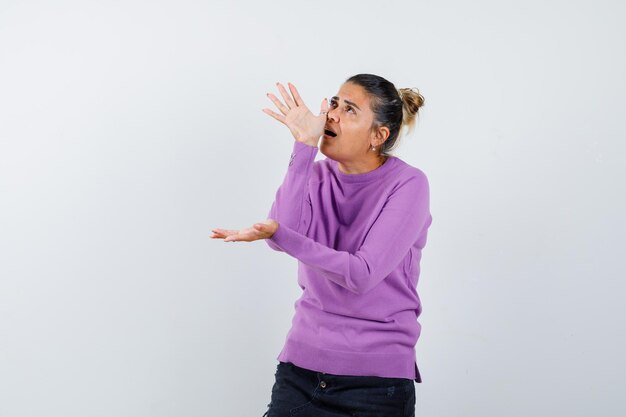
(358, 239)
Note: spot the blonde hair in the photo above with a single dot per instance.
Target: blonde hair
(412, 100)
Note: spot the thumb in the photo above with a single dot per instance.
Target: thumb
(324, 107)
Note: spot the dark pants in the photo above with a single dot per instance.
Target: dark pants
(300, 392)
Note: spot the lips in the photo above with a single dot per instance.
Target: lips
(330, 132)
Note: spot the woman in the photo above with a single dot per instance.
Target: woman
(357, 222)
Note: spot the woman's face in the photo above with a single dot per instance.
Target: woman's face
(350, 117)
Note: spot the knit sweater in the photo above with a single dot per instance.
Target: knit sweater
(358, 239)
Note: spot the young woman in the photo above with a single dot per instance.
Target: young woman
(357, 222)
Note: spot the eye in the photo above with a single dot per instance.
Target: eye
(333, 104)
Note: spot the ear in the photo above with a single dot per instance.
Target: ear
(381, 134)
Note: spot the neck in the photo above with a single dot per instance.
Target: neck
(361, 167)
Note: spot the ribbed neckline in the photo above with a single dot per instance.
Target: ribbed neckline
(366, 176)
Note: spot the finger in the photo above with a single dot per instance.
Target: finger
(276, 116)
(283, 109)
(286, 96)
(296, 95)
(324, 108)
(238, 238)
(233, 237)
(222, 230)
(236, 235)
(229, 232)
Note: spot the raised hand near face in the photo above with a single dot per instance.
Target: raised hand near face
(303, 124)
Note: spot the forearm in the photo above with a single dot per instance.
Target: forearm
(291, 203)
(397, 228)
(358, 272)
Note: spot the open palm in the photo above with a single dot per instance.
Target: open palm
(262, 230)
(303, 124)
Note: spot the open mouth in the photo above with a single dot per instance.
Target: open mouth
(330, 133)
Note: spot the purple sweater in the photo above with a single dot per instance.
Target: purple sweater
(358, 239)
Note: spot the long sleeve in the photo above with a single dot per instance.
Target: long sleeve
(400, 223)
(290, 206)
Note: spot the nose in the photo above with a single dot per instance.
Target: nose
(332, 114)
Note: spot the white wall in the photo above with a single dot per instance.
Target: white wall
(130, 129)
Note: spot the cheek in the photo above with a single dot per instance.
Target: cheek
(358, 134)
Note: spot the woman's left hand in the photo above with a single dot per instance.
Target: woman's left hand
(262, 230)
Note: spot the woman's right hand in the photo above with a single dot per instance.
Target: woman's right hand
(304, 125)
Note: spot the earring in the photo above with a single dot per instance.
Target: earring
(373, 148)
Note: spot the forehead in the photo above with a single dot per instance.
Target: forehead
(354, 93)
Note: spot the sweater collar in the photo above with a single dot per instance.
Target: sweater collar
(375, 174)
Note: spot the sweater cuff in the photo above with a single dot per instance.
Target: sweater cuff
(297, 146)
(284, 236)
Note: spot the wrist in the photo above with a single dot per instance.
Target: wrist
(276, 227)
(310, 142)
(273, 227)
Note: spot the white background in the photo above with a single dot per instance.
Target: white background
(130, 129)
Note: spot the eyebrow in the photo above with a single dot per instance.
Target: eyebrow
(349, 102)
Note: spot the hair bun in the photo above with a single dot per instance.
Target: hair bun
(412, 100)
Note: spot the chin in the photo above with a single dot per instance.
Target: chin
(324, 150)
